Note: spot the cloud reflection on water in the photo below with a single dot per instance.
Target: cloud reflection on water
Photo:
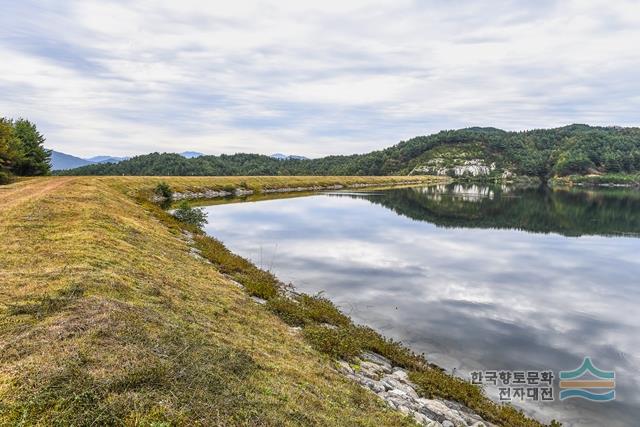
(470, 298)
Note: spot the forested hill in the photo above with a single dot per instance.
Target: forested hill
(569, 150)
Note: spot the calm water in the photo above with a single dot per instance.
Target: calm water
(474, 277)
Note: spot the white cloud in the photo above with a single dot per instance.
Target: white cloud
(311, 78)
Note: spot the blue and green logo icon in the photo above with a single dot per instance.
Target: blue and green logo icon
(588, 382)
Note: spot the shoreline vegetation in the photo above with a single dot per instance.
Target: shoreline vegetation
(113, 320)
(605, 180)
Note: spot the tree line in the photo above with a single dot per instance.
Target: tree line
(538, 209)
(569, 150)
(22, 151)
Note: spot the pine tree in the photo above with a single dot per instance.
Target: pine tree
(9, 149)
(35, 159)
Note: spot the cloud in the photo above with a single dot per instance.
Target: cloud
(311, 78)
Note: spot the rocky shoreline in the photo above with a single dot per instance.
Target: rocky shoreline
(238, 192)
(392, 385)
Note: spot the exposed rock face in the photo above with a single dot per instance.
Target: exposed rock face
(457, 167)
(392, 385)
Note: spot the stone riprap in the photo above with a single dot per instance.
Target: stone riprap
(239, 192)
(392, 384)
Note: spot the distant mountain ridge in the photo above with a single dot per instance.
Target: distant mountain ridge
(281, 156)
(191, 154)
(62, 161)
(473, 153)
(106, 159)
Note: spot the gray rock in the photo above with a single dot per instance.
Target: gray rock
(371, 370)
(377, 359)
(398, 392)
(401, 375)
(375, 386)
(430, 414)
(422, 419)
(393, 386)
(404, 409)
(344, 367)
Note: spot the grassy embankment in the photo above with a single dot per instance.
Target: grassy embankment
(105, 318)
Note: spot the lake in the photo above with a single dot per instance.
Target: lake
(475, 277)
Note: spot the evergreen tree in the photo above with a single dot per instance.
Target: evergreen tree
(9, 149)
(35, 159)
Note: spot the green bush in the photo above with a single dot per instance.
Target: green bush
(306, 309)
(163, 190)
(336, 342)
(397, 353)
(5, 178)
(257, 282)
(288, 310)
(322, 310)
(189, 215)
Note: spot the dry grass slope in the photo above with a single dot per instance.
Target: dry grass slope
(105, 319)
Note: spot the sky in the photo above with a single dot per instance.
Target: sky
(104, 77)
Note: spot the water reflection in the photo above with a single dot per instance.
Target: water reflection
(570, 212)
(448, 271)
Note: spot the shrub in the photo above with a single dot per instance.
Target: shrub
(257, 282)
(322, 310)
(192, 216)
(5, 178)
(163, 190)
(288, 310)
(306, 309)
(336, 342)
(397, 353)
